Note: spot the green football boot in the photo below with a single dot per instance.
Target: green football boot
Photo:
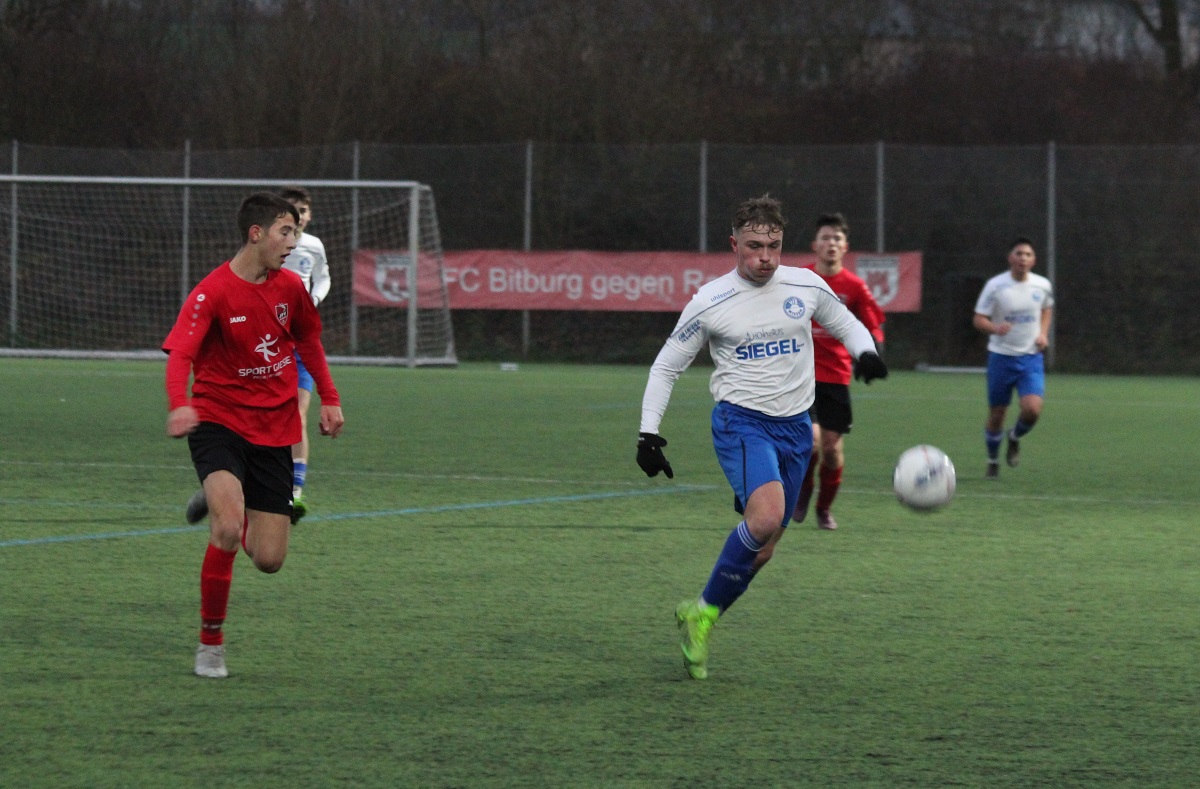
(695, 623)
(299, 509)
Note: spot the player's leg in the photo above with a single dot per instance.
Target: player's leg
(999, 392)
(800, 512)
(751, 460)
(1031, 389)
(838, 420)
(268, 506)
(217, 453)
(300, 450)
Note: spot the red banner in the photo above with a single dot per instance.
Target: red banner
(494, 279)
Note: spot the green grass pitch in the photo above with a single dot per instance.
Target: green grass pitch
(483, 595)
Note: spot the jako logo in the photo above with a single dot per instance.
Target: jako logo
(238, 319)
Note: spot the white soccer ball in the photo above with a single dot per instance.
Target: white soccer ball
(924, 478)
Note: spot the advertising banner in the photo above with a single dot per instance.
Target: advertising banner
(607, 281)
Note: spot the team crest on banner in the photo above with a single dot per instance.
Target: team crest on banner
(281, 312)
(882, 275)
(391, 277)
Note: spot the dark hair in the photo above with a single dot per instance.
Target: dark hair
(834, 220)
(262, 209)
(296, 194)
(1018, 241)
(763, 211)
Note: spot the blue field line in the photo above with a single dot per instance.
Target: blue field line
(479, 505)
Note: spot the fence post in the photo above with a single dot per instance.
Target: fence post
(185, 247)
(353, 248)
(880, 196)
(528, 245)
(12, 253)
(1051, 239)
(704, 195)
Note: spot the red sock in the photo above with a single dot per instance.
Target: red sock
(216, 575)
(831, 480)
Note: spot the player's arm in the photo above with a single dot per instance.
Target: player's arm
(985, 324)
(321, 280)
(676, 355)
(308, 341)
(841, 323)
(181, 416)
(1043, 338)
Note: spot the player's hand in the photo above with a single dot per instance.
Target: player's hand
(870, 367)
(181, 421)
(332, 420)
(650, 455)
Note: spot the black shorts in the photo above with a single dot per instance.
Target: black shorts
(265, 472)
(831, 408)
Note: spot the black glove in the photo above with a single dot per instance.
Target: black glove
(870, 367)
(650, 455)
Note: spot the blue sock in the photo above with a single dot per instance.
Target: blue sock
(299, 472)
(993, 444)
(731, 574)
(1020, 429)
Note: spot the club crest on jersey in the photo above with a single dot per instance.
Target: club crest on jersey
(793, 307)
(281, 312)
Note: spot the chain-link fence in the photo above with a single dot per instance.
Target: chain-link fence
(1112, 225)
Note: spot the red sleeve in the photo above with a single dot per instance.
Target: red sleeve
(179, 365)
(867, 310)
(308, 341)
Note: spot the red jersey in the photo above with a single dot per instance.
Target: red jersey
(241, 338)
(833, 362)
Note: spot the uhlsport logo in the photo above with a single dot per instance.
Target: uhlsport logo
(793, 307)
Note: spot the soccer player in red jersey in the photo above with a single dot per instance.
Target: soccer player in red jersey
(831, 414)
(237, 333)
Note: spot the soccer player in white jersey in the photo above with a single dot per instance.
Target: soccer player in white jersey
(1014, 309)
(308, 260)
(757, 323)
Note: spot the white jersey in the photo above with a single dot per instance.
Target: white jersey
(760, 338)
(1005, 300)
(308, 260)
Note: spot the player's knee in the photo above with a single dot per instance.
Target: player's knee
(269, 564)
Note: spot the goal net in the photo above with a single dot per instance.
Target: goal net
(98, 267)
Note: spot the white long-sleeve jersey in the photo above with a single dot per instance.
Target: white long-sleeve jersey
(308, 260)
(760, 338)
(1004, 299)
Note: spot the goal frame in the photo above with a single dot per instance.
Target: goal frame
(415, 189)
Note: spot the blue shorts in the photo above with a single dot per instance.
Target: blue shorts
(1026, 374)
(306, 379)
(754, 449)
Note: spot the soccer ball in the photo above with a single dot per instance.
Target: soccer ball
(924, 478)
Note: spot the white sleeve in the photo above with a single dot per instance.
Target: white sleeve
(687, 339)
(320, 273)
(841, 323)
(670, 364)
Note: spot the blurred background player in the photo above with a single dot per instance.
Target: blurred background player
(831, 414)
(309, 261)
(755, 321)
(1014, 309)
(237, 333)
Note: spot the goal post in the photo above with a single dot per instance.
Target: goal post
(98, 266)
